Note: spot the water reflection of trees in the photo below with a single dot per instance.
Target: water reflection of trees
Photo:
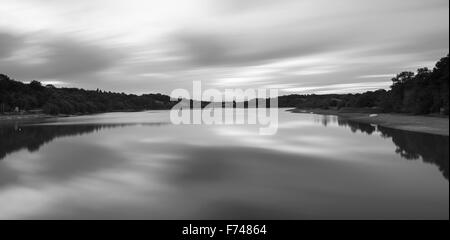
(433, 149)
(32, 137)
(412, 145)
(325, 119)
(356, 126)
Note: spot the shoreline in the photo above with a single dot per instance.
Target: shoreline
(34, 116)
(21, 117)
(414, 123)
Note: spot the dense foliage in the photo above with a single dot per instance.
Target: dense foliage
(424, 92)
(72, 100)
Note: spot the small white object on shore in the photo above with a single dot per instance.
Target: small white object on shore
(373, 115)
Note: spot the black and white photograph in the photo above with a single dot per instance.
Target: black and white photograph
(228, 110)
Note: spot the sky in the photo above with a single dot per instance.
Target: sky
(149, 46)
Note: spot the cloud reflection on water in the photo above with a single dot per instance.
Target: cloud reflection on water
(162, 171)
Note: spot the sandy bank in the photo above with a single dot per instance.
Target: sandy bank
(424, 124)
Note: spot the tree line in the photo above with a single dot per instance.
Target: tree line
(51, 100)
(424, 92)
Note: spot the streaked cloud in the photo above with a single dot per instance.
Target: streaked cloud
(340, 88)
(378, 76)
(57, 58)
(144, 46)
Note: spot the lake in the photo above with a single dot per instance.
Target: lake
(140, 166)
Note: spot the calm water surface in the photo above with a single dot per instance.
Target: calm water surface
(139, 165)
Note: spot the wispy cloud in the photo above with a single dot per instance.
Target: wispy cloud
(156, 46)
(378, 76)
(340, 88)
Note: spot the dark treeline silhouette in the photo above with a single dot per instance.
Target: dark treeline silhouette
(424, 92)
(363, 100)
(51, 100)
(433, 149)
